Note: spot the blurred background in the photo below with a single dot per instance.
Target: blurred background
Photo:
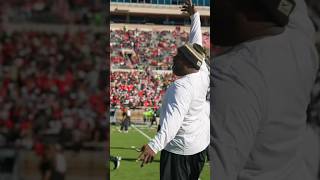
(53, 74)
(314, 107)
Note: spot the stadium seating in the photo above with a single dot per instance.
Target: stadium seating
(136, 49)
(138, 89)
(56, 11)
(167, 2)
(51, 85)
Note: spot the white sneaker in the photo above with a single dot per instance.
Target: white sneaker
(117, 163)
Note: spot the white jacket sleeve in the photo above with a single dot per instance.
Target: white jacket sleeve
(195, 30)
(178, 99)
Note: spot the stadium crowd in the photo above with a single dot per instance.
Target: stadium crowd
(137, 49)
(138, 88)
(55, 11)
(52, 85)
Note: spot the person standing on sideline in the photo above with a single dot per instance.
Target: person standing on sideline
(261, 89)
(154, 118)
(129, 115)
(184, 133)
(53, 164)
(59, 163)
(125, 124)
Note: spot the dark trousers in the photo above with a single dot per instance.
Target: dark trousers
(125, 125)
(153, 120)
(181, 167)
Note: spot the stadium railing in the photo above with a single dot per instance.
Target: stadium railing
(172, 6)
(136, 70)
(153, 27)
(149, 8)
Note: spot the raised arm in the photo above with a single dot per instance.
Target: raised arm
(195, 29)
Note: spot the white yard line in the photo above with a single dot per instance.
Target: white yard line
(141, 132)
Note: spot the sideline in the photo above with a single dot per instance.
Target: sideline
(145, 135)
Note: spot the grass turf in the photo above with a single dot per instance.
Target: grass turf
(124, 145)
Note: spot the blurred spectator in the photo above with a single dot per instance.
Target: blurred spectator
(53, 164)
(49, 86)
(56, 11)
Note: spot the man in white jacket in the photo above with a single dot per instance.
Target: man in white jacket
(184, 133)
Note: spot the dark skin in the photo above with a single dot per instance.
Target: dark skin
(181, 67)
(234, 24)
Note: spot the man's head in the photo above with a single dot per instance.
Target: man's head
(188, 59)
(237, 21)
(180, 66)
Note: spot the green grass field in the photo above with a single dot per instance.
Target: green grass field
(124, 145)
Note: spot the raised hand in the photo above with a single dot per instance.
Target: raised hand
(188, 7)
